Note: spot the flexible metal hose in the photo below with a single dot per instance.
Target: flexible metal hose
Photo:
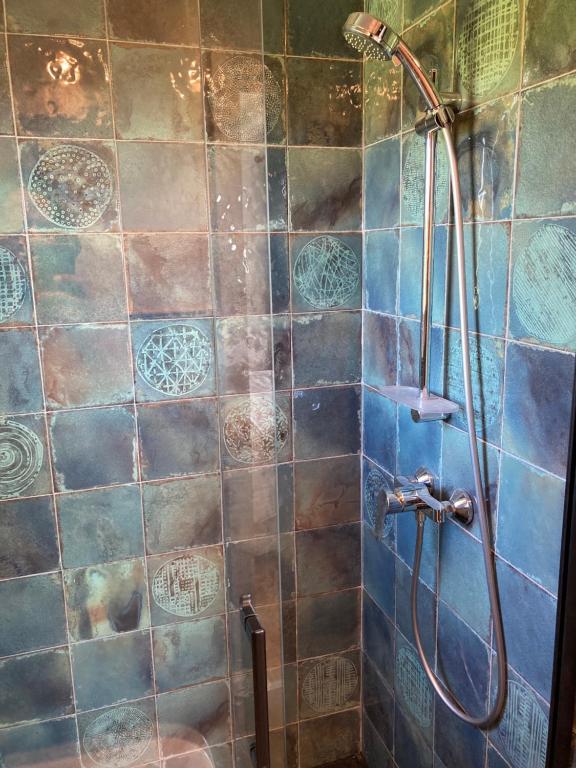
(492, 717)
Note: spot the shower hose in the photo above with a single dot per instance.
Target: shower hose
(449, 699)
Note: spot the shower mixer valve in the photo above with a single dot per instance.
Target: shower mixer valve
(416, 494)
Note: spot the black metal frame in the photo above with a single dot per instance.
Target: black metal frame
(564, 675)
(260, 750)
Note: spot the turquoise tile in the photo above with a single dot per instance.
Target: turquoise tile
(173, 361)
(413, 731)
(189, 653)
(412, 193)
(244, 355)
(35, 687)
(70, 186)
(382, 100)
(153, 21)
(86, 365)
(378, 574)
(21, 392)
(327, 348)
(328, 559)
(111, 671)
(130, 728)
(100, 526)
(179, 514)
(145, 108)
(176, 173)
(11, 217)
(106, 599)
(58, 738)
(34, 615)
(374, 748)
(327, 492)
(374, 483)
(419, 444)
(378, 639)
(237, 188)
(549, 40)
(26, 472)
(457, 742)
(379, 416)
(28, 539)
(427, 610)
(406, 545)
(78, 278)
(410, 273)
(378, 703)
(61, 87)
(313, 31)
(63, 17)
(543, 271)
(15, 285)
(382, 185)
(381, 256)
(326, 189)
(314, 676)
(485, 72)
(379, 362)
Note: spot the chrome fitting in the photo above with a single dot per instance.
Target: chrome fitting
(435, 119)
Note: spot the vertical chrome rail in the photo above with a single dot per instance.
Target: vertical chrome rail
(427, 262)
(260, 751)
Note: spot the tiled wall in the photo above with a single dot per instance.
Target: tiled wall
(180, 394)
(517, 155)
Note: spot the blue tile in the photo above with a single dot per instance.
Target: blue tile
(93, 447)
(327, 348)
(328, 559)
(27, 470)
(382, 185)
(414, 708)
(529, 616)
(327, 492)
(378, 639)
(380, 430)
(487, 248)
(526, 537)
(375, 481)
(537, 406)
(419, 444)
(413, 163)
(542, 295)
(410, 291)
(378, 702)
(16, 302)
(33, 614)
(99, 526)
(381, 256)
(28, 539)
(380, 350)
(21, 392)
(327, 422)
(456, 742)
(26, 744)
(379, 574)
(113, 670)
(374, 748)
(495, 760)
(426, 610)
(411, 747)
(280, 273)
(328, 623)
(406, 545)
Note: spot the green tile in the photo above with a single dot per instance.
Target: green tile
(78, 278)
(175, 175)
(316, 30)
(389, 11)
(157, 93)
(224, 25)
(488, 47)
(154, 21)
(382, 100)
(547, 156)
(274, 19)
(6, 123)
(11, 219)
(325, 102)
(549, 39)
(414, 9)
(56, 17)
(60, 87)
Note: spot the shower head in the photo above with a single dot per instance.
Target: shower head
(370, 36)
(376, 40)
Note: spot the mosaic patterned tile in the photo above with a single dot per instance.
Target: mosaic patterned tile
(378, 575)
(86, 365)
(412, 199)
(327, 492)
(537, 408)
(176, 173)
(151, 21)
(241, 274)
(69, 186)
(326, 422)
(78, 278)
(326, 272)
(325, 102)
(550, 42)
(328, 623)
(194, 718)
(252, 567)
(223, 27)
(11, 216)
(106, 599)
(543, 270)
(414, 696)
(432, 42)
(244, 355)
(34, 615)
(485, 145)
(189, 653)
(24, 469)
(61, 87)
(21, 392)
(108, 441)
(238, 188)
(125, 734)
(100, 526)
(382, 99)
(327, 348)
(178, 438)
(199, 574)
(381, 257)
(329, 685)
(328, 559)
(487, 71)
(35, 687)
(326, 189)
(63, 17)
(382, 185)
(28, 540)
(182, 513)
(380, 350)
(57, 738)
(329, 738)
(249, 503)
(157, 93)
(156, 264)
(113, 670)
(173, 360)
(314, 32)
(15, 290)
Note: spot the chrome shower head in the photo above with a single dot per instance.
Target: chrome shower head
(370, 36)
